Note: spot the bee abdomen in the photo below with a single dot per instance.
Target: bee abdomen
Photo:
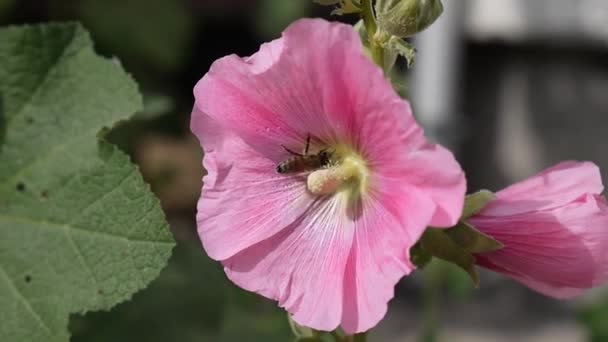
(282, 168)
(286, 166)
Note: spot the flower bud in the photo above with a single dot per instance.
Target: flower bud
(404, 18)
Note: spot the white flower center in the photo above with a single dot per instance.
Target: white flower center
(347, 172)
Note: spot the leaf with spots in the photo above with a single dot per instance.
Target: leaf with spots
(79, 228)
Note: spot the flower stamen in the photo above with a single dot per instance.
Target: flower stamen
(346, 172)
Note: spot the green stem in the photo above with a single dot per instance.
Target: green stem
(369, 20)
(336, 336)
(432, 289)
(362, 337)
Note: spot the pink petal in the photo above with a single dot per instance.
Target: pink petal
(275, 96)
(364, 107)
(325, 266)
(288, 91)
(433, 170)
(361, 107)
(302, 266)
(560, 252)
(550, 188)
(380, 255)
(331, 268)
(242, 202)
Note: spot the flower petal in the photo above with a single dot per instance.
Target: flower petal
(385, 232)
(326, 264)
(360, 107)
(435, 172)
(302, 266)
(276, 96)
(330, 268)
(243, 201)
(551, 188)
(559, 253)
(288, 91)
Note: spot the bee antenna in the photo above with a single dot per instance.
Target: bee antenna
(290, 151)
(307, 144)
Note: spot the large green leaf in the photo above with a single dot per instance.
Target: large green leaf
(79, 229)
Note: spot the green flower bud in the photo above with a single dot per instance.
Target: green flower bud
(404, 18)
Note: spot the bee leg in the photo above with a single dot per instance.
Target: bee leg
(292, 152)
(307, 144)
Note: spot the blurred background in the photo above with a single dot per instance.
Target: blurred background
(512, 86)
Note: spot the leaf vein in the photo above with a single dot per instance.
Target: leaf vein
(24, 300)
(81, 256)
(60, 58)
(40, 158)
(45, 223)
(98, 199)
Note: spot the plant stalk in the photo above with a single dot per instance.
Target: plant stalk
(369, 20)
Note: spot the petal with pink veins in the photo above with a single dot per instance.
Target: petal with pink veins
(388, 226)
(302, 266)
(550, 188)
(238, 208)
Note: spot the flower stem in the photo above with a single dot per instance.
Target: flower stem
(369, 20)
(337, 337)
(367, 14)
(362, 337)
(432, 288)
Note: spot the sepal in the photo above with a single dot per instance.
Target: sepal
(393, 46)
(419, 256)
(471, 239)
(301, 332)
(438, 244)
(474, 202)
(401, 47)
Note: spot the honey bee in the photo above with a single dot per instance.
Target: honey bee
(304, 162)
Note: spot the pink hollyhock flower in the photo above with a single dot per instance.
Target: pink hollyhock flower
(554, 227)
(329, 242)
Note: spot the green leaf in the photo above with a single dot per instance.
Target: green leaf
(471, 239)
(474, 202)
(440, 245)
(80, 229)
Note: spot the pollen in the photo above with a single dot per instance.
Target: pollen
(347, 173)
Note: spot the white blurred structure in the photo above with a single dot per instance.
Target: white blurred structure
(580, 21)
(439, 85)
(437, 70)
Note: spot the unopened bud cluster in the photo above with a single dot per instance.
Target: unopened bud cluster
(405, 18)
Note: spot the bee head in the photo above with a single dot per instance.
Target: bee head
(325, 156)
